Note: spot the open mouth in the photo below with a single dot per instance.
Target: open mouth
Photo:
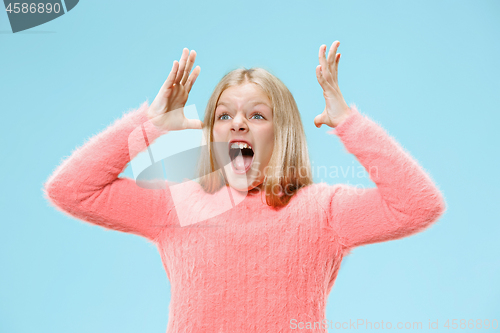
(241, 154)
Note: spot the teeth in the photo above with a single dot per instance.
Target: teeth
(240, 145)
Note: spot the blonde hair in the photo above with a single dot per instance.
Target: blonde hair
(289, 168)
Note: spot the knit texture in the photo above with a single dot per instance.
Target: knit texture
(252, 268)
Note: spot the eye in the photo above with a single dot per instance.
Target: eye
(259, 115)
(223, 115)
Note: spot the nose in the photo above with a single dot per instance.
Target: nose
(239, 124)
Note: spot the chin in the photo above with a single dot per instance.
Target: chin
(241, 182)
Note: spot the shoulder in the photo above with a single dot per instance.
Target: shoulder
(185, 190)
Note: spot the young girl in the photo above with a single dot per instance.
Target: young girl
(264, 253)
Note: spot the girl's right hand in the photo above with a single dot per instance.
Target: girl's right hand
(167, 110)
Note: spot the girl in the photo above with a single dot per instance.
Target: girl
(265, 252)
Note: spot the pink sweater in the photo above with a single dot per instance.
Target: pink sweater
(252, 268)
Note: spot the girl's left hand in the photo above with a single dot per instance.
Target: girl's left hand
(336, 109)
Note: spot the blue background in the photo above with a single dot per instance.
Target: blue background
(426, 71)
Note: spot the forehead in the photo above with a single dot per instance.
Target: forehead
(244, 95)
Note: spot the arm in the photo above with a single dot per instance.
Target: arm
(86, 185)
(405, 200)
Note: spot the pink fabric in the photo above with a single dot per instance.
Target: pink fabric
(252, 268)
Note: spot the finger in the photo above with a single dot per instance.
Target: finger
(190, 62)
(193, 124)
(321, 79)
(323, 63)
(321, 56)
(192, 78)
(182, 65)
(332, 58)
(332, 53)
(337, 60)
(171, 77)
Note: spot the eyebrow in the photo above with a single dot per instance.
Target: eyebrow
(253, 103)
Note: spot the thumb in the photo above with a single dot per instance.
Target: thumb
(194, 124)
(320, 120)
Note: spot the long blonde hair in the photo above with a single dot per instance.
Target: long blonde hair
(289, 168)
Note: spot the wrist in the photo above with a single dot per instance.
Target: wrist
(342, 118)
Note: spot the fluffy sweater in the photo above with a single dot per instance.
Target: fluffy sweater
(252, 268)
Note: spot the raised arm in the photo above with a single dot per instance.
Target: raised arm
(405, 200)
(86, 185)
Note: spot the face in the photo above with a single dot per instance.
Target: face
(244, 118)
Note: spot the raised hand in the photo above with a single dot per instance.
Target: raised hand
(336, 109)
(167, 109)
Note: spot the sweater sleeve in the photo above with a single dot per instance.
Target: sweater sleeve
(405, 200)
(86, 185)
